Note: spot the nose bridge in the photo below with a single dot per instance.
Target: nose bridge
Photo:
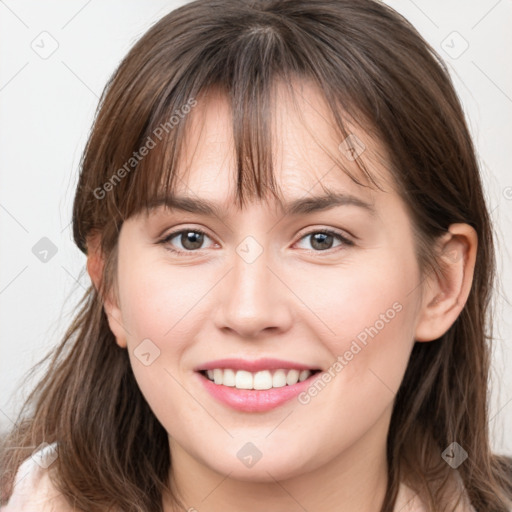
(252, 300)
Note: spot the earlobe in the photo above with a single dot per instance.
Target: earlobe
(115, 322)
(446, 292)
(95, 263)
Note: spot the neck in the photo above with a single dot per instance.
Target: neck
(353, 481)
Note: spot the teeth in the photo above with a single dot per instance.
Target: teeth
(243, 380)
(292, 377)
(265, 379)
(217, 376)
(262, 380)
(304, 374)
(279, 379)
(229, 378)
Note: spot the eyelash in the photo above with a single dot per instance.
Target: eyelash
(165, 241)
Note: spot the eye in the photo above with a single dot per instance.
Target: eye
(322, 239)
(190, 240)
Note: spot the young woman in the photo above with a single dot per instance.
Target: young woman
(292, 263)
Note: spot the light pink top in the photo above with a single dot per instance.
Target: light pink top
(33, 490)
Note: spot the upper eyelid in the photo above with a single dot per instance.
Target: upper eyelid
(312, 229)
(172, 234)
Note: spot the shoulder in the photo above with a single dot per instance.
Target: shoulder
(33, 488)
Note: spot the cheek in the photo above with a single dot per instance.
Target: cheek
(161, 315)
(159, 303)
(366, 315)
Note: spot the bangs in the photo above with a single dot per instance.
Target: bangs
(247, 72)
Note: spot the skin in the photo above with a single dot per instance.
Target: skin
(291, 303)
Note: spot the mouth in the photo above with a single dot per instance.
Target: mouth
(258, 391)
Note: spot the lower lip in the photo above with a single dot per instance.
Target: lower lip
(250, 400)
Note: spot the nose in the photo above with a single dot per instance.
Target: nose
(254, 299)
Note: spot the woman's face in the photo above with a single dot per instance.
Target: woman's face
(263, 283)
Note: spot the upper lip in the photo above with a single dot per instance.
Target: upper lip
(253, 366)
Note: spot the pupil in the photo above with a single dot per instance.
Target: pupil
(191, 240)
(321, 238)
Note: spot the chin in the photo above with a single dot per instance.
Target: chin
(265, 465)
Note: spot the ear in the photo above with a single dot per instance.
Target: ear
(446, 293)
(95, 265)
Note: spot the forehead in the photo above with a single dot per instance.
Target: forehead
(308, 153)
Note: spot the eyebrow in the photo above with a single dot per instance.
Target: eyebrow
(296, 207)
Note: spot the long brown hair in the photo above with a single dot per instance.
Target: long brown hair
(370, 64)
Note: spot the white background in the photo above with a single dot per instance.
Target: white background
(46, 110)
